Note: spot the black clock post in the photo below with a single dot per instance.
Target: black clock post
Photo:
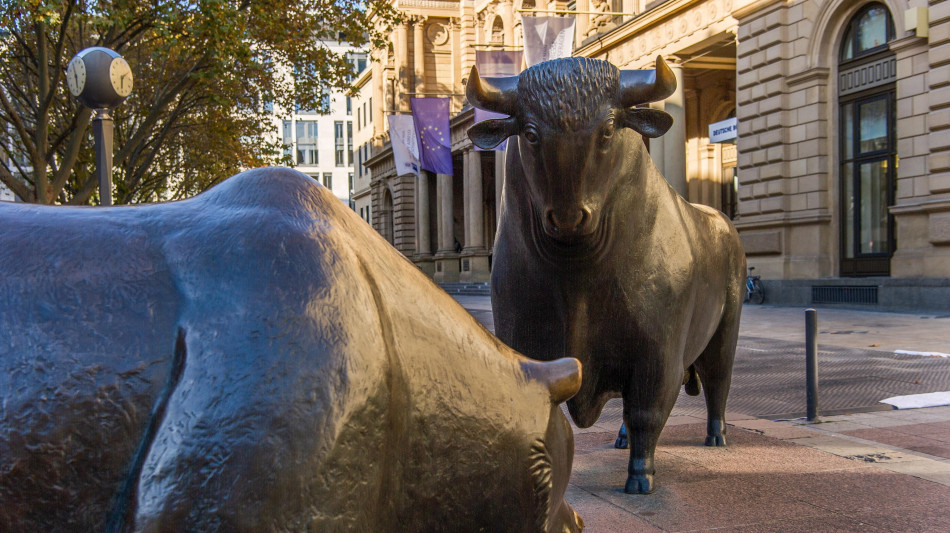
(101, 79)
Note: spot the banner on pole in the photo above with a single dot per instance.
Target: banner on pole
(402, 134)
(547, 38)
(498, 62)
(432, 129)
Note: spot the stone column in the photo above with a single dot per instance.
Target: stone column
(418, 53)
(402, 66)
(582, 21)
(674, 142)
(423, 256)
(474, 255)
(446, 260)
(658, 145)
(379, 103)
(505, 10)
(474, 215)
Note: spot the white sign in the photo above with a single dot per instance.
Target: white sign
(547, 38)
(724, 130)
(402, 133)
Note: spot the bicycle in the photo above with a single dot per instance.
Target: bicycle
(753, 288)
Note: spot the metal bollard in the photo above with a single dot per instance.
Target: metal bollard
(811, 364)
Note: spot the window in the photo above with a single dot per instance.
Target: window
(359, 115)
(307, 153)
(867, 142)
(358, 62)
(288, 138)
(868, 32)
(340, 148)
(349, 143)
(370, 119)
(349, 105)
(328, 180)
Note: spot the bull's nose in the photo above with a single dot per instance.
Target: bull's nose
(568, 221)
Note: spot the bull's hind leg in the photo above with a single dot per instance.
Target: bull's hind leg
(714, 367)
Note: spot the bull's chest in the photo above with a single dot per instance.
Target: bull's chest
(601, 322)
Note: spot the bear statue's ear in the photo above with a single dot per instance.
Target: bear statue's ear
(488, 134)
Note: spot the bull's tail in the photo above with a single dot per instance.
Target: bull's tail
(123, 507)
(691, 381)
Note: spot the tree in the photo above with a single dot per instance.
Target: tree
(204, 73)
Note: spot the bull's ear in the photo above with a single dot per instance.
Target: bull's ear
(648, 122)
(488, 134)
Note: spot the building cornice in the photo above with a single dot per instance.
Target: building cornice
(927, 206)
(908, 43)
(754, 7)
(818, 74)
(639, 22)
(782, 221)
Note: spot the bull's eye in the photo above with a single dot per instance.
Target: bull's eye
(531, 135)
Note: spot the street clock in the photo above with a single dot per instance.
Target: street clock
(99, 77)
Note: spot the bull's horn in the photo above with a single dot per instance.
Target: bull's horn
(644, 86)
(493, 94)
(562, 376)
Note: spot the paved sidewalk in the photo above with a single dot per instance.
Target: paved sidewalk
(864, 469)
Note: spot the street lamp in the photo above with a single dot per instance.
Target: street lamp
(101, 79)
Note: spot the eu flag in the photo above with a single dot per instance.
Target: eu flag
(432, 126)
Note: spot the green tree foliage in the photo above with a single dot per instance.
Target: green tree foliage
(203, 70)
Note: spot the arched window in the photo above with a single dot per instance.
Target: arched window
(498, 31)
(866, 90)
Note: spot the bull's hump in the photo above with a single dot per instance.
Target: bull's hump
(277, 187)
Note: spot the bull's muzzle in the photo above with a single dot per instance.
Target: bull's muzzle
(568, 223)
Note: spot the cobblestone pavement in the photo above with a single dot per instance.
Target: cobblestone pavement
(857, 365)
(864, 468)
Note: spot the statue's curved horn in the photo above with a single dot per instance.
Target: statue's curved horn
(644, 86)
(562, 376)
(493, 94)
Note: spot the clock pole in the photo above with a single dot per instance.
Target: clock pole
(102, 132)
(101, 79)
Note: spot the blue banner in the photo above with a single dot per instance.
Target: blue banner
(431, 116)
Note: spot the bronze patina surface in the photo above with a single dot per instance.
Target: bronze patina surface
(598, 258)
(257, 358)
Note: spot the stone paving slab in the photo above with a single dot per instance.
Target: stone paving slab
(757, 483)
(864, 468)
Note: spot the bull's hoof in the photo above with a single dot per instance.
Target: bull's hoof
(715, 440)
(621, 442)
(640, 484)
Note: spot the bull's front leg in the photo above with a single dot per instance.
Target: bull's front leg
(646, 407)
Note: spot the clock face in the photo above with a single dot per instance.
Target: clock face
(121, 76)
(76, 76)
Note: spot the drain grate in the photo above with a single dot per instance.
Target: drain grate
(844, 295)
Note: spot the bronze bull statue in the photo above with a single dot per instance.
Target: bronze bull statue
(598, 258)
(256, 359)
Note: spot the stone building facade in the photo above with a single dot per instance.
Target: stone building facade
(838, 180)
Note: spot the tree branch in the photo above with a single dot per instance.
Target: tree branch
(72, 151)
(15, 185)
